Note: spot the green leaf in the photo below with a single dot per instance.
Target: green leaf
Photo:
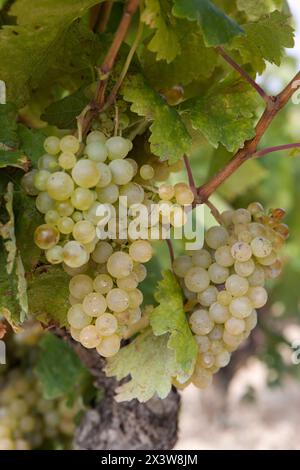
(15, 158)
(48, 295)
(151, 365)
(226, 114)
(254, 9)
(31, 142)
(194, 62)
(265, 40)
(29, 48)
(13, 286)
(170, 317)
(58, 367)
(63, 113)
(8, 123)
(169, 137)
(165, 42)
(28, 218)
(217, 27)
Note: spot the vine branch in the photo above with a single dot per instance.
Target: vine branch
(97, 103)
(273, 107)
(277, 148)
(105, 11)
(190, 174)
(244, 74)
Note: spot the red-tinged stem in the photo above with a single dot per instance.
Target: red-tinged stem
(190, 174)
(244, 74)
(101, 24)
(277, 148)
(171, 250)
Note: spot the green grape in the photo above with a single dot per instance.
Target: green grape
(46, 236)
(75, 255)
(69, 143)
(41, 178)
(122, 171)
(118, 148)
(64, 208)
(109, 194)
(55, 255)
(106, 324)
(67, 160)
(51, 145)
(94, 304)
(60, 186)
(96, 151)
(82, 199)
(147, 172)
(109, 346)
(52, 217)
(96, 136)
(105, 175)
(80, 286)
(141, 251)
(48, 163)
(117, 300)
(44, 203)
(65, 225)
(77, 317)
(27, 183)
(86, 174)
(84, 232)
(89, 337)
(103, 283)
(119, 265)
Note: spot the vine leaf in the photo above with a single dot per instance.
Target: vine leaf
(226, 114)
(217, 27)
(30, 47)
(31, 141)
(254, 9)
(51, 369)
(169, 137)
(150, 364)
(45, 306)
(274, 33)
(170, 317)
(13, 286)
(165, 42)
(63, 113)
(8, 124)
(15, 158)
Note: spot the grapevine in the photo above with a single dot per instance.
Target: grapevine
(113, 117)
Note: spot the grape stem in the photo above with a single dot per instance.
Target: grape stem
(97, 102)
(171, 250)
(190, 174)
(138, 326)
(274, 105)
(214, 211)
(103, 17)
(243, 74)
(277, 148)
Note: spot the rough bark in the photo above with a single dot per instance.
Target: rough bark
(125, 426)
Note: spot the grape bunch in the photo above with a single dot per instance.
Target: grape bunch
(224, 283)
(72, 182)
(27, 420)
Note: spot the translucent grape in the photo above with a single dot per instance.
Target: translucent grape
(218, 274)
(48, 163)
(90, 337)
(64, 208)
(44, 203)
(27, 183)
(122, 171)
(181, 265)
(46, 237)
(216, 236)
(80, 286)
(106, 324)
(241, 216)
(119, 265)
(135, 298)
(166, 192)
(94, 304)
(41, 178)
(65, 225)
(105, 175)
(118, 147)
(223, 256)
(196, 279)
(51, 145)
(77, 317)
(218, 313)
(201, 323)
(201, 258)
(75, 255)
(109, 194)
(69, 143)
(235, 326)
(261, 247)
(109, 346)
(134, 192)
(241, 307)
(67, 160)
(258, 296)
(102, 252)
(241, 251)
(103, 283)
(128, 283)
(245, 268)
(84, 231)
(183, 194)
(86, 174)
(141, 271)
(60, 186)
(55, 255)
(208, 296)
(141, 251)
(96, 151)
(117, 300)
(236, 285)
(147, 172)
(96, 136)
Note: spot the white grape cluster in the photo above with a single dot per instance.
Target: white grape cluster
(27, 420)
(224, 283)
(72, 181)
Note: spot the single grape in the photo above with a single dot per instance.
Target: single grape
(103, 283)
(94, 304)
(117, 300)
(46, 236)
(78, 318)
(51, 145)
(44, 203)
(258, 296)
(84, 231)
(119, 265)
(236, 285)
(208, 296)
(106, 324)
(55, 255)
(218, 274)
(201, 323)
(118, 147)
(223, 256)
(147, 172)
(133, 192)
(261, 247)
(60, 186)
(201, 258)
(218, 313)
(196, 279)
(235, 326)
(105, 175)
(96, 151)
(69, 143)
(48, 163)
(141, 251)
(109, 194)
(64, 208)
(67, 160)
(65, 225)
(75, 255)
(80, 286)
(96, 136)
(183, 194)
(245, 268)
(216, 236)
(109, 346)
(41, 178)
(90, 337)
(241, 307)
(241, 251)
(122, 171)
(86, 174)
(166, 192)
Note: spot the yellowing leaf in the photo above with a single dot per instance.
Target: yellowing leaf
(169, 137)
(165, 42)
(170, 317)
(150, 364)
